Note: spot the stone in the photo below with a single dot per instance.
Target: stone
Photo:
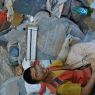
(66, 8)
(48, 36)
(85, 2)
(30, 7)
(6, 71)
(75, 16)
(13, 86)
(13, 55)
(90, 22)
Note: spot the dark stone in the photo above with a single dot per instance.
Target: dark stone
(13, 55)
(30, 7)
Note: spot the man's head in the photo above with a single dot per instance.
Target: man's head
(35, 73)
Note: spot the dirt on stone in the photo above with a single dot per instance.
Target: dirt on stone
(6, 71)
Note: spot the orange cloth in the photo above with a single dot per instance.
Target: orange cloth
(3, 17)
(43, 89)
(75, 76)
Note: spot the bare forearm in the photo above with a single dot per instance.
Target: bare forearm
(88, 88)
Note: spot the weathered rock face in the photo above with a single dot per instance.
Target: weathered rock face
(75, 16)
(68, 9)
(12, 37)
(13, 86)
(30, 7)
(1, 4)
(90, 22)
(85, 2)
(84, 22)
(5, 70)
(52, 32)
(46, 31)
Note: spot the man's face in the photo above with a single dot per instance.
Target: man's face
(38, 72)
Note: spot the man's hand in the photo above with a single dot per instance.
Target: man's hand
(88, 88)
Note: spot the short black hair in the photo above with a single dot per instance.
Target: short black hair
(28, 78)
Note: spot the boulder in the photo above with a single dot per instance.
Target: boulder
(13, 86)
(52, 32)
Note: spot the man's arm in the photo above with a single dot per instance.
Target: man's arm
(88, 88)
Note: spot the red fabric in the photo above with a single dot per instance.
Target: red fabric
(55, 68)
(82, 76)
(3, 17)
(76, 76)
(43, 89)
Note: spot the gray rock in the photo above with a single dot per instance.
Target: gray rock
(5, 70)
(13, 86)
(3, 42)
(85, 3)
(52, 32)
(66, 10)
(89, 22)
(16, 37)
(13, 55)
(11, 38)
(30, 7)
(89, 36)
(75, 16)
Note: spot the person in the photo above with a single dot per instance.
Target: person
(60, 81)
(81, 54)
